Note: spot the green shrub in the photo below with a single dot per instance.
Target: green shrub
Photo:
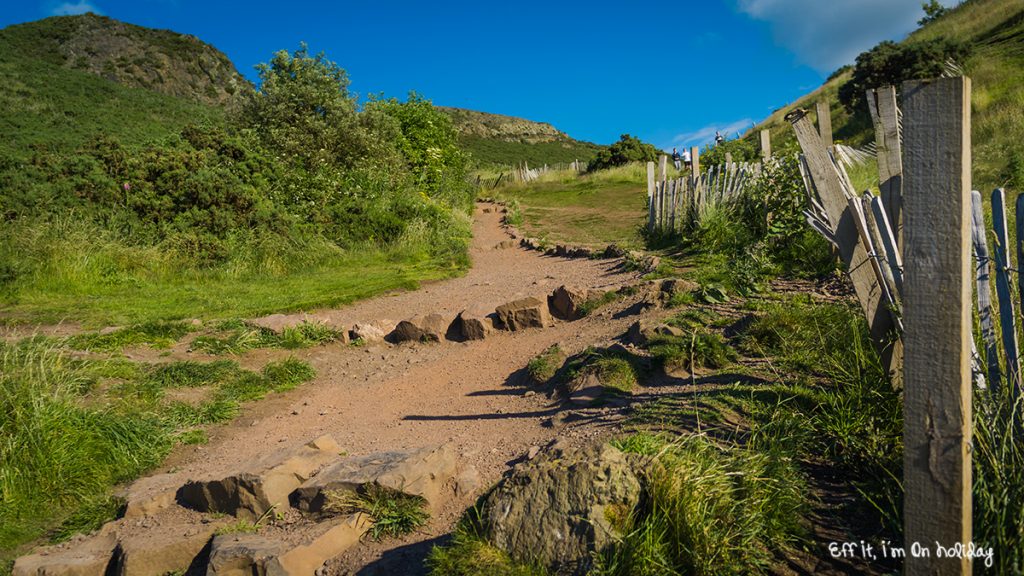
(626, 150)
(543, 367)
(393, 513)
(698, 349)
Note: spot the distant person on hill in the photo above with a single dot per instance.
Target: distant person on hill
(677, 159)
(686, 158)
(719, 138)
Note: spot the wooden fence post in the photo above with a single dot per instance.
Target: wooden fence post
(766, 145)
(650, 179)
(1007, 319)
(825, 122)
(695, 159)
(663, 168)
(937, 317)
(982, 280)
(728, 158)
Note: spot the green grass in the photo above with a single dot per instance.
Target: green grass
(157, 334)
(500, 153)
(154, 294)
(699, 349)
(238, 336)
(73, 428)
(544, 366)
(394, 514)
(594, 209)
(469, 554)
(710, 509)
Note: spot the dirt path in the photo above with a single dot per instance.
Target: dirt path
(386, 397)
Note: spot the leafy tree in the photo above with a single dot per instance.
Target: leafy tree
(303, 109)
(627, 149)
(932, 11)
(426, 139)
(889, 64)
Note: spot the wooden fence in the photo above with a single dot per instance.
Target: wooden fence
(921, 311)
(523, 173)
(673, 202)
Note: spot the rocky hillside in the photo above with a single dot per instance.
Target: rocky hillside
(495, 139)
(500, 127)
(159, 60)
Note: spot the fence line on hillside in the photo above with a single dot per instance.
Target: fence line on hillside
(523, 173)
(675, 201)
(927, 212)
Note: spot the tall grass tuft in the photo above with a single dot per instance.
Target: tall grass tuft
(55, 452)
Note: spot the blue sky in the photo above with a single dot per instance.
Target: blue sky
(669, 72)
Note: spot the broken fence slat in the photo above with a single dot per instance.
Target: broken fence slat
(1007, 320)
(892, 253)
(982, 281)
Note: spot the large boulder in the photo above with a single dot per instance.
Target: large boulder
(149, 495)
(565, 302)
(562, 507)
(369, 333)
(476, 323)
(429, 328)
(524, 313)
(249, 493)
(422, 472)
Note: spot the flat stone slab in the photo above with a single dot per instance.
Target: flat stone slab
(89, 557)
(422, 472)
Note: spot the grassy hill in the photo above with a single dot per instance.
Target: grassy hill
(498, 140)
(994, 32)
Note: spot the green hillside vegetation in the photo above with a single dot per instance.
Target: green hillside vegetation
(988, 35)
(123, 205)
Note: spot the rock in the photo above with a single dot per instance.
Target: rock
(641, 332)
(525, 313)
(248, 494)
(561, 250)
(148, 495)
(89, 557)
(476, 323)
(487, 210)
(422, 472)
(255, 555)
(161, 549)
(563, 507)
(504, 244)
(565, 302)
(242, 555)
(430, 328)
(532, 452)
(613, 251)
(307, 558)
(467, 481)
(673, 286)
(368, 333)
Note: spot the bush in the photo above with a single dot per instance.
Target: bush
(627, 149)
(889, 64)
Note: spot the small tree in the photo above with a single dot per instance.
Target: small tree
(932, 11)
(627, 149)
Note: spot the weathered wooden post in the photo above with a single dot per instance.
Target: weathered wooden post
(650, 179)
(825, 122)
(695, 159)
(663, 168)
(766, 145)
(884, 115)
(937, 317)
(728, 158)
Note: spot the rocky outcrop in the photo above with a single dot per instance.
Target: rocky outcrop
(525, 313)
(248, 494)
(87, 558)
(563, 506)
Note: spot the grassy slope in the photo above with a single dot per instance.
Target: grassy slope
(995, 29)
(493, 152)
(596, 209)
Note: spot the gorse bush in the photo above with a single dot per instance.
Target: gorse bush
(626, 150)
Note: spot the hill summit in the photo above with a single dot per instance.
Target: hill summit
(160, 60)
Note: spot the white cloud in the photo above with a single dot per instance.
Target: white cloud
(827, 34)
(707, 133)
(75, 8)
